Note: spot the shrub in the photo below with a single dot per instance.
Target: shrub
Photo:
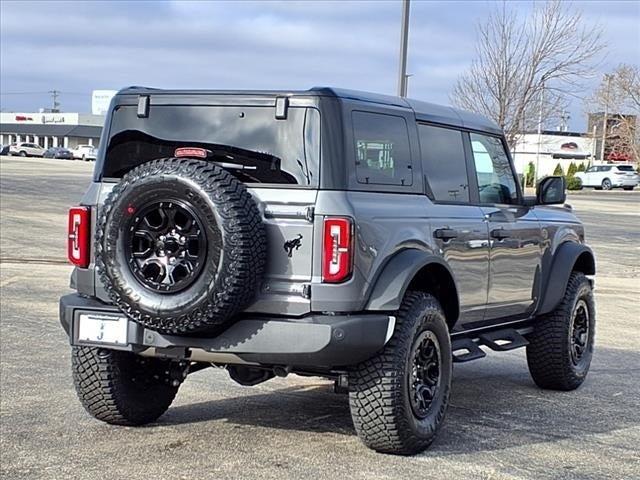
(558, 170)
(530, 175)
(571, 171)
(581, 168)
(574, 183)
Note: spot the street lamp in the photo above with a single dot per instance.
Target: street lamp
(404, 40)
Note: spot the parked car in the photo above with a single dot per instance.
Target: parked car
(25, 149)
(606, 177)
(4, 149)
(318, 233)
(58, 152)
(84, 152)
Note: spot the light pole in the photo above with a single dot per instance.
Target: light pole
(608, 78)
(537, 174)
(404, 40)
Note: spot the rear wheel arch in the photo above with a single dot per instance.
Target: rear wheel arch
(420, 271)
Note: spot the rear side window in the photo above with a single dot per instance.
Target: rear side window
(443, 162)
(625, 168)
(382, 149)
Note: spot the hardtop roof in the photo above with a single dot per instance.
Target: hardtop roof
(424, 111)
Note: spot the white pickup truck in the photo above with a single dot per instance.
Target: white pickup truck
(84, 152)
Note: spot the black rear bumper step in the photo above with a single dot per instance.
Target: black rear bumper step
(498, 340)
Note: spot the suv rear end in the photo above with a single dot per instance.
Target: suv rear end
(271, 142)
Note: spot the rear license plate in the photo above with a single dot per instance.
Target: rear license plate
(95, 328)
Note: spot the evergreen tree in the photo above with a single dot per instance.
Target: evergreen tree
(558, 170)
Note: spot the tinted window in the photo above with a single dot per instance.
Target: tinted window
(625, 168)
(443, 162)
(591, 170)
(605, 169)
(250, 141)
(496, 181)
(382, 149)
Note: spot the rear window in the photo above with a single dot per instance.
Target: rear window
(254, 145)
(625, 168)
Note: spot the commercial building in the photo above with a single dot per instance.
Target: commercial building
(552, 148)
(51, 129)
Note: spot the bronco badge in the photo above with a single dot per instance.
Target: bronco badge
(291, 245)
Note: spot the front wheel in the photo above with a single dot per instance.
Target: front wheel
(606, 184)
(23, 154)
(398, 398)
(122, 388)
(561, 346)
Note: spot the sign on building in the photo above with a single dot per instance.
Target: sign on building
(100, 100)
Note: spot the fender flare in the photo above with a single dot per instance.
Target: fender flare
(392, 283)
(565, 259)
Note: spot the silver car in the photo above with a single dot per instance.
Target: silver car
(25, 149)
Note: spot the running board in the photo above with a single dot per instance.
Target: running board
(498, 340)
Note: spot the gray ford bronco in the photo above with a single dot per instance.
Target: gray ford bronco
(367, 239)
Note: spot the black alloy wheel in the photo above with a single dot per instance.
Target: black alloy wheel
(166, 246)
(579, 331)
(424, 380)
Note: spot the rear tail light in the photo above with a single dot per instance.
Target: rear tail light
(78, 236)
(337, 249)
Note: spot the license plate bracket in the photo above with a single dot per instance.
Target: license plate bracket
(102, 329)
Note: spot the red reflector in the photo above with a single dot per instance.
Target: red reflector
(337, 250)
(191, 152)
(78, 236)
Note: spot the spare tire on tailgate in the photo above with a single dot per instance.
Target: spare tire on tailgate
(180, 246)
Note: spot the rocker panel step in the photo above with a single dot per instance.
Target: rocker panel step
(474, 352)
(510, 336)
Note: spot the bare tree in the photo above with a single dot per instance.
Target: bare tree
(619, 94)
(523, 64)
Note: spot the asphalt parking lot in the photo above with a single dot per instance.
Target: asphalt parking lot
(499, 425)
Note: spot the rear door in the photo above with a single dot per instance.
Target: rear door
(515, 240)
(457, 226)
(278, 159)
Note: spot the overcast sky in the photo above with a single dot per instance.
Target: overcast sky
(76, 47)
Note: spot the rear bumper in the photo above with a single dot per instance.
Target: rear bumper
(320, 341)
(625, 182)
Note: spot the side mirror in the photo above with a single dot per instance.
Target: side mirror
(551, 191)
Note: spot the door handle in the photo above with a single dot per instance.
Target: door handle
(500, 233)
(445, 233)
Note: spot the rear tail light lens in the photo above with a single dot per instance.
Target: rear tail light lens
(337, 251)
(78, 236)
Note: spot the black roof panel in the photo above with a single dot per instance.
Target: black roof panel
(424, 111)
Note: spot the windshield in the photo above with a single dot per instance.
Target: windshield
(253, 145)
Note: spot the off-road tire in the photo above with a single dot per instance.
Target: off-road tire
(378, 388)
(121, 388)
(549, 351)
(227, 211)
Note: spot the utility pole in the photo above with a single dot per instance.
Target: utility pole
(608, 78)
(56, 105)
(537, 174)
(404, 40)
